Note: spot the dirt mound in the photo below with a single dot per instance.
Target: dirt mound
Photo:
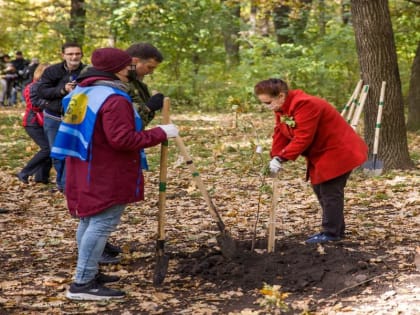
(317, 271)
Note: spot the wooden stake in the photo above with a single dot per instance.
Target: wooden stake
(272, 219)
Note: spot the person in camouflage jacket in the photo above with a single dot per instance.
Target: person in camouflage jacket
(145, 59)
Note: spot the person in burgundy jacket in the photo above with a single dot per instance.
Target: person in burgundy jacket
(309, 126)
(104, 172)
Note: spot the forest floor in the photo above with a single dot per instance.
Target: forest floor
(374, 270)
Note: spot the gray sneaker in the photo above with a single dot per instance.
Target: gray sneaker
(102, 278)
(107, 259)
(92, 291)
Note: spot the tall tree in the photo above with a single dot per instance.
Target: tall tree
(77, 22)
(281, 23)
(290, 19)
(413, 100)
(231, 31)
(345, 11)
(378, 62)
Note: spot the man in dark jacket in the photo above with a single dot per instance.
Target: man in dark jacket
(19, 62)
(56, 82)
(104, 161)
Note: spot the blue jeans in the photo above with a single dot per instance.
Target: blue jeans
(50, 129)
(92, 234)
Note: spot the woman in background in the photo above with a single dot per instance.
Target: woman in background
(40, 164)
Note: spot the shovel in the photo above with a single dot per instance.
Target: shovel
(162, 260)
(352, 99)
(375, 166)
(225, 241)
(359, 108)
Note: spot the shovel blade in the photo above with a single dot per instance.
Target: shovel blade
(227, 245)
(161, 267)
(373, 167)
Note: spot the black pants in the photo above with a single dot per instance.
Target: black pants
(330, 195)
(40, 164)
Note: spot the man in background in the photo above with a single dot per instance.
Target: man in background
(145, 59)
(56, 82)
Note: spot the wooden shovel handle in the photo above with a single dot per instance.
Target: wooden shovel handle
(197, 178)
(163, 172)
(353, 103)
(359, 109)
(379, 118)
(352, 99)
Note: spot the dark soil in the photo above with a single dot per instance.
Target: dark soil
(311, 272)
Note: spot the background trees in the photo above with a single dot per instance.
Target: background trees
(215, 50)
(378, 62)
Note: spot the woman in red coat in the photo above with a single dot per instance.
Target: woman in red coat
(309, 126)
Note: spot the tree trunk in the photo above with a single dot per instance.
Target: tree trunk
(281, 24)
(77, 22)
(231, 34)
(378, 62)
(290, 20)
(345, 11)
(322, 21)
(413, 122)
(253, 18)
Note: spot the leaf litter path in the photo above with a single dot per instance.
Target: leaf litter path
(375, 270)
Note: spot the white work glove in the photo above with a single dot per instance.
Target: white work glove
(170, 129)
(275, 165)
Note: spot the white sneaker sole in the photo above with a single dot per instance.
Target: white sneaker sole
(90, 297)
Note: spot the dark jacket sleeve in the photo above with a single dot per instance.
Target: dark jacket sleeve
(38, 103)
(51, 86)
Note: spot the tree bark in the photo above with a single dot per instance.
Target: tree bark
(378, 62)
(77, 22)
(413, 100)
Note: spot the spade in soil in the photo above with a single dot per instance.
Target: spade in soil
(162, 260)
(227, 244)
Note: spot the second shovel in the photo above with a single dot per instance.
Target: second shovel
(162, 260)
(375, 166)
